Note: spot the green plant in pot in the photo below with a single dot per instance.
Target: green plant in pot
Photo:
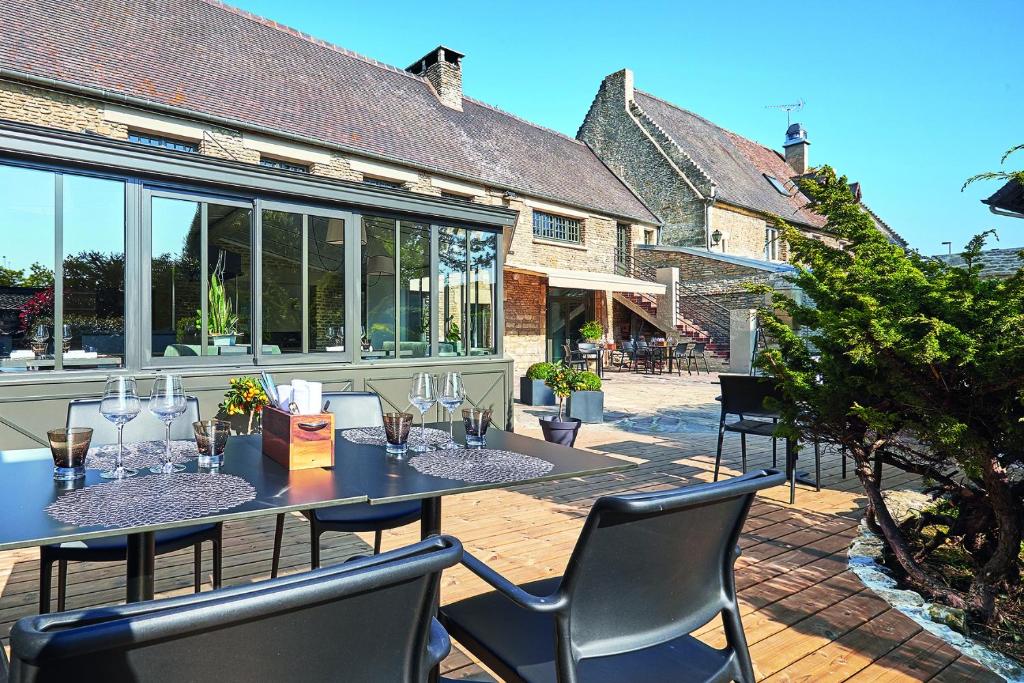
(586, 400)
(556, 429)
(592, 331)
(532, 388)
(221, 319)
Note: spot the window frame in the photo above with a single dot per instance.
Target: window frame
(771, 244)
(568, 224)
(166, 142)
(284, 165)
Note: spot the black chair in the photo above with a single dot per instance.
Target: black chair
(574, 359)
(370, 619)
(145, 427)
(624, 354)
(641, 355)
(351, 409)
(679, 355)
(648, 570)
(696, 354)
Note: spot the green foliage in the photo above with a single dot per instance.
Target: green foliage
(10, 277)
(220, 316)
(999, 175)
(453, 335)
(903, 357)
(592, 331)
(540, 370)
(38, 276)
(586, 380)
(561, 381)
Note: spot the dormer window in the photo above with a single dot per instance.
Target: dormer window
(161, 141)
(779, 186)
(380, 182)
(282, 165)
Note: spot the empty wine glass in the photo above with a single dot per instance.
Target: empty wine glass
(423, 396)
(167, 402)
(120, 405)
(450, 394)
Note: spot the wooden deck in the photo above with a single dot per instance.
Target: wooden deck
(806, 617)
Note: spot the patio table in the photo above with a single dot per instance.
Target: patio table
(361, 473)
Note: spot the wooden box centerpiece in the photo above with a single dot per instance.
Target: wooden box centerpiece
(298, 442)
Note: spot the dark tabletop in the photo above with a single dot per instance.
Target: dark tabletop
(361, 473)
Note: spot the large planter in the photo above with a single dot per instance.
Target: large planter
(533, 392)
(562, 433)
(587, 406)
(223, 339)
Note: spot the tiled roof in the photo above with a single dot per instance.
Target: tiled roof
(994, 262)
(884, 227)
(12, 301)
(210, 59)
(1010, 197)
(735, 164)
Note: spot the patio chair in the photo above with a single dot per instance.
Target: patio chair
(647, 571)
(590, 351)
(695, 355)
(624, 354)
(145, 427)
(641, 355)
(369, 619)
(574, 359)
(351, 409)
(679, 355)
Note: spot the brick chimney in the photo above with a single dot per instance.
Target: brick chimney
(442, 67)
(796, 145)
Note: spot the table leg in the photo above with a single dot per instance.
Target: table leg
(141, 552)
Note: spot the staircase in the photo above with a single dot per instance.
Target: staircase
(697, 317)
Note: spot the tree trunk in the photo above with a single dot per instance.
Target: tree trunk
(1003, 566)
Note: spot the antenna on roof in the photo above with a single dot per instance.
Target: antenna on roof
(788, 108)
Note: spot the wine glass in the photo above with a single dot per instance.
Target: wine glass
(450, 394)
(120, 405)
(167, 402)
(423, 396)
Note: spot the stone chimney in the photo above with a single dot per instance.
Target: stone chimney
(796, 145)
(442, 67)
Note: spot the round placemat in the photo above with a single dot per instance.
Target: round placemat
(151, 499)
(480, 465)
(375, 436)
(141, 454)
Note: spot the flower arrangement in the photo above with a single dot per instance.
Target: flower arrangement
(37, 310)
(245, 398)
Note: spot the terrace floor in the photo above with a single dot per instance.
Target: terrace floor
(806, 617)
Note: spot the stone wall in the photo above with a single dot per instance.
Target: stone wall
(525, 319)
(632, 153)
(694, 268)
(25, 104)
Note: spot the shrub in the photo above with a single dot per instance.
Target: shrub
(586, 381)
(540, 371)
(561, 381)
(592, 331)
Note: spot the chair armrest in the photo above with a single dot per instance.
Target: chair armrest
(439, 644)
(551, 603)
(3, 665)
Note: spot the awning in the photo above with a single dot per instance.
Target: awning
(585, 279)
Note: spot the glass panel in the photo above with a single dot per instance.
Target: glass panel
(378, 282)
(568, 309)
(26, 268)
(326, 268)
(229, 300)
(482, 274)
(451, 269)
(176, 281)
(282, 282)
(94, 264)
(414, 290)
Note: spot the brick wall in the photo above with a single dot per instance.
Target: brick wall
(525, 320)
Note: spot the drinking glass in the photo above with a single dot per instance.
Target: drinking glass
(450, 394)
(396, 432)
(120, 405)
(422, 395)
(476, 421)
(167, 402)
(69, 448)
(211, 440)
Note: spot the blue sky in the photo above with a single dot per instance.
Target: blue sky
(908, 97)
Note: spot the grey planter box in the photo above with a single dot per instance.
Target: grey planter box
(587, 406)
(533, 392)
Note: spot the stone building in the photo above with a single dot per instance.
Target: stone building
(251, 92)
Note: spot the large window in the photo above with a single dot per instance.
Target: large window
(467, 270)
(61, 271)
(201, 281)
(303, 265)
(552, 227)
(396, 289)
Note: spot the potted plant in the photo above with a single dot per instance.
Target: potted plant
(592, 331)
(556, 430)
(243, 405)
(532, 389)
(586, 400)
(221, 320)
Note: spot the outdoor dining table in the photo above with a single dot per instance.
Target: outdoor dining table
(361, 473)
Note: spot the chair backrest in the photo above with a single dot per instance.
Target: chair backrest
(681, 348)
(587, 346)
(85, 412)
(355, 409)
(698, 347)
(628, 345)
(641, 344)
(653, 566)
(365, 620)
(746, 394)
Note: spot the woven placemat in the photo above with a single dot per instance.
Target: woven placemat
(480, 465)
(374, 436)
(141, 454)
(151, 499)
